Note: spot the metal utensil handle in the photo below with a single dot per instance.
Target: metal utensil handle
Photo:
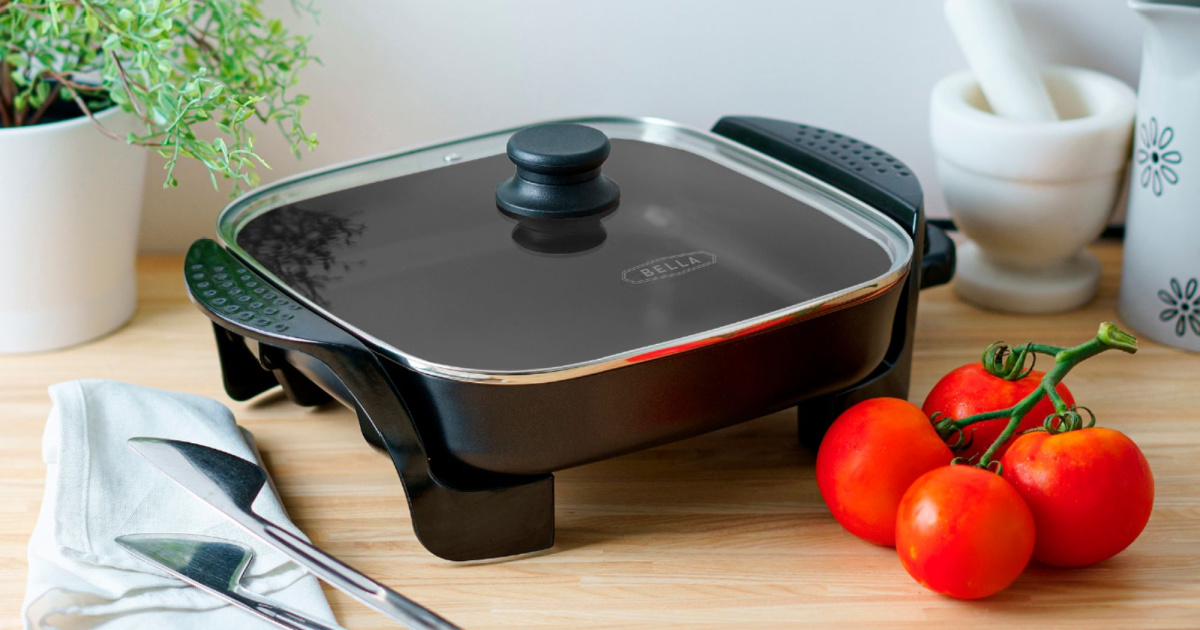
(336, 573)
(350, 581)
(273, 612)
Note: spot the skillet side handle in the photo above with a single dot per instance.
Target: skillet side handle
(457, 513)
(858, 168)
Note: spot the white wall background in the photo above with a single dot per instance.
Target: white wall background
(398, 73)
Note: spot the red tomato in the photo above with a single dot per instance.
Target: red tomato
(970, 390)
(868, 458)
(964, 532)
(1090, 490)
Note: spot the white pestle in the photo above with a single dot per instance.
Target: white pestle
(990, 38)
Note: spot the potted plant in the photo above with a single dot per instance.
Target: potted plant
(86, 87)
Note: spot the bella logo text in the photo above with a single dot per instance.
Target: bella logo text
(668, 267)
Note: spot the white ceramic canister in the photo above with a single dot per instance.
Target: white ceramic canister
(1160, 283)
(70, 204)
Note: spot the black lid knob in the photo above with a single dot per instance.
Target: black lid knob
(558, 173)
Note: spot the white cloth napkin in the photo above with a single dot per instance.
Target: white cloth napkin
(98, 489)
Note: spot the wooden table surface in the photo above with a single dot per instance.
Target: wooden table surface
(725, 529)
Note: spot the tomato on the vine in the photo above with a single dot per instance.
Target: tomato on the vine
(964, 531)
(1091, 492)
(869, 457)
(971, 390)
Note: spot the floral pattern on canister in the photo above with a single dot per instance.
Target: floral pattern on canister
(1183, 306)
(1154, 159)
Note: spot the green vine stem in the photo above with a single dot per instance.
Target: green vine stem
(1002, 361)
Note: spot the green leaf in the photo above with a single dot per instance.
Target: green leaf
(177, 64)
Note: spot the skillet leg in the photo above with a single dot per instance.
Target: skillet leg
(459, 514)
(243, 376)
(246, 375)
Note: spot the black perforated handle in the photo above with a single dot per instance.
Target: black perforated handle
(241, 301)
(853, 166)
(862, 170)
(496, 515)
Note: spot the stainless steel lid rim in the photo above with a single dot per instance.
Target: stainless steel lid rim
(862, 218)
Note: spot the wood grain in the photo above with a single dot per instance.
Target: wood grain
(726, 529)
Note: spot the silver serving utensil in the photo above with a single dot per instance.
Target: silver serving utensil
(230, 484)
(215, 566)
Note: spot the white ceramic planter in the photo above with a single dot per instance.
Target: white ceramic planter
(1031, 195)
(1160, 282)
(70, 204)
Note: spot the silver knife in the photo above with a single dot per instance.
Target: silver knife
(230, 484)
(215, 566)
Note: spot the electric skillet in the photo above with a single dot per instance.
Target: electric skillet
(504, 306)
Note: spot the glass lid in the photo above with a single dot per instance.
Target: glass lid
(454, 260)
